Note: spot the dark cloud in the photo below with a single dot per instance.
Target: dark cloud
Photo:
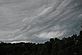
(39, 20)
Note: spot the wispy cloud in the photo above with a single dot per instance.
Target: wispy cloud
(36, 20)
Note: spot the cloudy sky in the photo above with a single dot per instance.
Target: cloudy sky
(39, 20)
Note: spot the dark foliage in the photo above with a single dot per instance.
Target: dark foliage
(67, 46)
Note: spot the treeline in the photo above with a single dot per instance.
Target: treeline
(67, 46)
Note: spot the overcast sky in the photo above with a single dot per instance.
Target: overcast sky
(39, 20)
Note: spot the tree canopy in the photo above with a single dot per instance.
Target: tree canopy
(66, 46)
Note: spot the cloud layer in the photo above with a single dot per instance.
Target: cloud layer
(39, 20)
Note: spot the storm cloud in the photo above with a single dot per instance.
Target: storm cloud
(39, 20)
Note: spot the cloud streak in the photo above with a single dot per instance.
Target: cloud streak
(39, 20)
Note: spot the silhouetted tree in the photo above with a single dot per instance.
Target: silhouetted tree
(66, 46)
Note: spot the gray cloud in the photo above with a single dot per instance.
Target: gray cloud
(39, 20)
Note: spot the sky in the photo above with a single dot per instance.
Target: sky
(39, 20)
